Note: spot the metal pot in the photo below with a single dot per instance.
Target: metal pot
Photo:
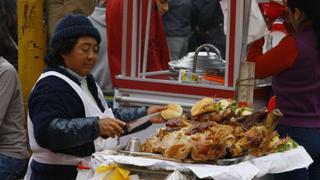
(201, 62)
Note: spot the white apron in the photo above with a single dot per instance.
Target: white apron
(46, 156)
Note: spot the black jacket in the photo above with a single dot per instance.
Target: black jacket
(58, 116)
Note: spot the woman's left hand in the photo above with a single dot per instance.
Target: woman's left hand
(154, 109)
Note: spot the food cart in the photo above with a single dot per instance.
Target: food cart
(135, 86)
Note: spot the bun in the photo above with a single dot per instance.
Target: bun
(173, 111)
(200, 106)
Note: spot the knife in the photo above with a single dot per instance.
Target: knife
(138, 122)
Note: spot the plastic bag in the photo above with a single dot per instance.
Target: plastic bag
(84, 172)
(176, 175)
(110, 170)
(257, 24)
(83, 175)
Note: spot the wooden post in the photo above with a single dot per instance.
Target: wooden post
(32, 33)
(245, 84)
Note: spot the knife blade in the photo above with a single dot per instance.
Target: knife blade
(138, 122)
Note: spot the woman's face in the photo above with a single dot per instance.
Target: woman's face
(293, 18)
(83, 56)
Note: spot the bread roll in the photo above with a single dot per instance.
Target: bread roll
(172, 111)
(200, 106)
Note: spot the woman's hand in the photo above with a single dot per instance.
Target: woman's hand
(154, 109)
(111, 127)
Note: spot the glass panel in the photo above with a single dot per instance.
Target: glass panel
(188, 24)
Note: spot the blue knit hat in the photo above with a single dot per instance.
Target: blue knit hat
(72, 26)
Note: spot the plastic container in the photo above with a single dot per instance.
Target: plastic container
(214, 79)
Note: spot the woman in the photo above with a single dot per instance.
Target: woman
(67, 111)
(294, 64)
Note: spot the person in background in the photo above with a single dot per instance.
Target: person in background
(158, 53)
(56, 9)
(100, 71)
(178, 27)
(163, 6)
(207, 25)
(9, 31)
(294, 66)
(68, 116)
(13, 136)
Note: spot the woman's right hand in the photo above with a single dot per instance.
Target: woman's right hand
(111, 127)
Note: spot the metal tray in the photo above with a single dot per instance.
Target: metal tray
(142, 154)
(224, 162)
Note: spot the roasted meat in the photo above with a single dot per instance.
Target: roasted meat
(216, 129)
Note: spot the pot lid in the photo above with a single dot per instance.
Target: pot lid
(206, 61)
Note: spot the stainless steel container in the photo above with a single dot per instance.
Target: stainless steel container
(133, 145)
(201, 62)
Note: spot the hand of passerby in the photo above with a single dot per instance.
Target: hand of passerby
(111, 127)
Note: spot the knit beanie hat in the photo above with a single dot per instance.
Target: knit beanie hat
(72, 26)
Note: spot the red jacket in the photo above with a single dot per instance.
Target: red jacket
(158, 53)
(276, 60)
(279, 58)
